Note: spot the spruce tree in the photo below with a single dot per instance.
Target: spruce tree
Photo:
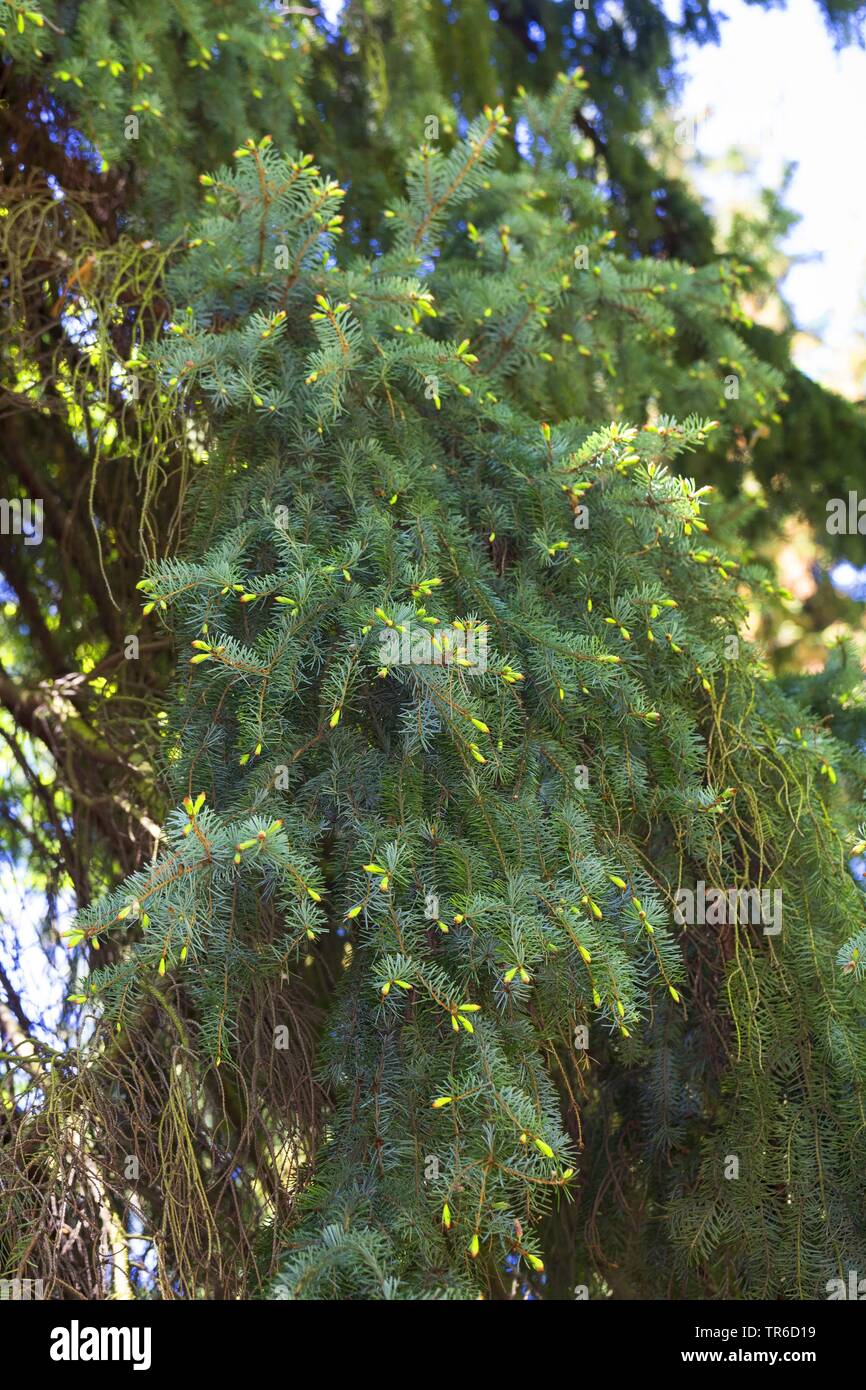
(461, 709)
(109, 113)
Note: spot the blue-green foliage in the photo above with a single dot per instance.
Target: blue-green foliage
(476, 431)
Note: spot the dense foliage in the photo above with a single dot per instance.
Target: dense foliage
(411, 452)
(400, 1005)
